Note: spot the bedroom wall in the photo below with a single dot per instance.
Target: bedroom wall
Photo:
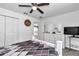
(24, 33)
(67, 19)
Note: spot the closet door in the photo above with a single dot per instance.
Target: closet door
(12, 30)
(1, 31)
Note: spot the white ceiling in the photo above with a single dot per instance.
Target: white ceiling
(51, 10)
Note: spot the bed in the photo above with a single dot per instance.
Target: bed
(32, 48)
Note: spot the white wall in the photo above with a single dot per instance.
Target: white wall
(1, 31)
(67, 19)
(25, 33)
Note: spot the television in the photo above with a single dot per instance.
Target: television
(71, 31)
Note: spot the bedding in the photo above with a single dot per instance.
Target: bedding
(28, 48)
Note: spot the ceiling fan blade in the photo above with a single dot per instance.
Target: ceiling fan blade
(34, 4)
(31, 11)
(24, 5)
(40, 10)
(43, 4)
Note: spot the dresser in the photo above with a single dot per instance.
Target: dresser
(52, 38)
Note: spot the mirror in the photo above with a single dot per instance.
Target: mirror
(27, 22)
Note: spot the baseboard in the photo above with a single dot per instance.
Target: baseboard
(73, 48)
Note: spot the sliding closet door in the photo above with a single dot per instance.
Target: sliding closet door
(12, 30)
(1, 31)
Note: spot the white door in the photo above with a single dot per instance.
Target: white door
(36, 31)
(1, 31)
(12, 30)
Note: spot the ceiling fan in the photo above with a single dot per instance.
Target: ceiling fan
(35, 6)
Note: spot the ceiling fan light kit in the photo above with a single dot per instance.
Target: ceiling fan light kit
(34, 7)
